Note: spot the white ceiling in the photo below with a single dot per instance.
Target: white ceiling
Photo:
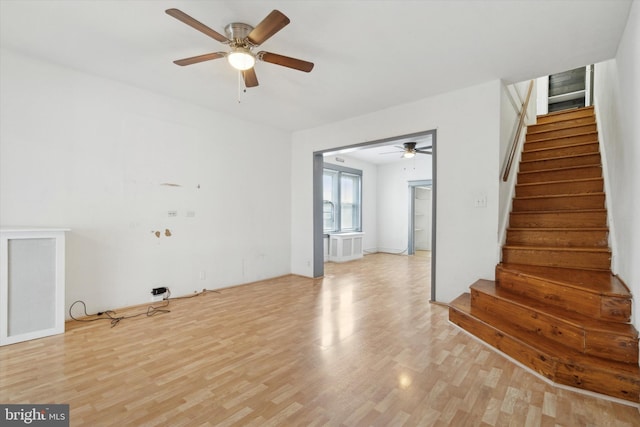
(383, 152)
(368, 55)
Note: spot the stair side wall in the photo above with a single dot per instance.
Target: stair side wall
(511, 99)
(616, 93)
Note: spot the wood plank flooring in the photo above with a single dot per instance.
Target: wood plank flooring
(361, 346)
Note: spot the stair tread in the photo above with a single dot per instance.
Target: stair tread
(571, 156)
(561, 181)
(575, 319)
(555, 138)
(568, 211)
(561, 140)
(545, 196)
(555, 147)
(550, 229)
(562, 128)
(562, 354)
(562, 168)
(558, 248)
(567, 111)
(593, 281)
(563, 123)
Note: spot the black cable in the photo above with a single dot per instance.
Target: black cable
(151, 310)
(204, 291)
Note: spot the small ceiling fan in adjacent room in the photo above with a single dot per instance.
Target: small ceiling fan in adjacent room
(409, 150)
(242, 39)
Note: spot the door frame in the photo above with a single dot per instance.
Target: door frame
(318, 234)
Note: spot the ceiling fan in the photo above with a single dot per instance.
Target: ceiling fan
(242, 39)
(409, 150)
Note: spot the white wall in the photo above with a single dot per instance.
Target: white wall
(512, 97)
(617, 98)
(393, 200)
(90, 154)
(468, 133)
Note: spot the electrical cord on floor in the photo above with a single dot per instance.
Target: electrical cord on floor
(204, 291)
(115, 320)
(111, 315)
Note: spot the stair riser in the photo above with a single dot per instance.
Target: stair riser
(611, 347)
(555, 188)
(558, 258)
(558, 238)
(561, 124)
(565, 115)
(521, 322)
(583, 172)
(558, 219)
(564, 162)
(563, 203)
(570, 150)
(561, 142)
(620, 385)
(540, 362)
(558, 133)
(605, 307)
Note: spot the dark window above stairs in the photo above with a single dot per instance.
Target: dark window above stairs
(567, 89)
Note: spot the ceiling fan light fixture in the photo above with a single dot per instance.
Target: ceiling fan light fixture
(241, 59)
(408, 154)
(241, 39)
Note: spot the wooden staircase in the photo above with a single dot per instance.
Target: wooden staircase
(555, 305)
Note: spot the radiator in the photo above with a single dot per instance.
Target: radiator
(345, 246)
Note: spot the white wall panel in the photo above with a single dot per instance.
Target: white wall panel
(110, 161)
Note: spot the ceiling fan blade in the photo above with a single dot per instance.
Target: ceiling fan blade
(183, 17)
(423, 152)
(285, 61)
(199, 58)
(250, 78)
(274, 22)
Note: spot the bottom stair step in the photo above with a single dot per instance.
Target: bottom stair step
(521, 316)
(558, 364)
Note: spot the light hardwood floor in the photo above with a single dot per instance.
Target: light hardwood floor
(360, 347)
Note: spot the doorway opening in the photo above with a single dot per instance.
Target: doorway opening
(420, 199)
(318, 217)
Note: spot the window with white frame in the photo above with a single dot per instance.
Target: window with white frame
(342, 199)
